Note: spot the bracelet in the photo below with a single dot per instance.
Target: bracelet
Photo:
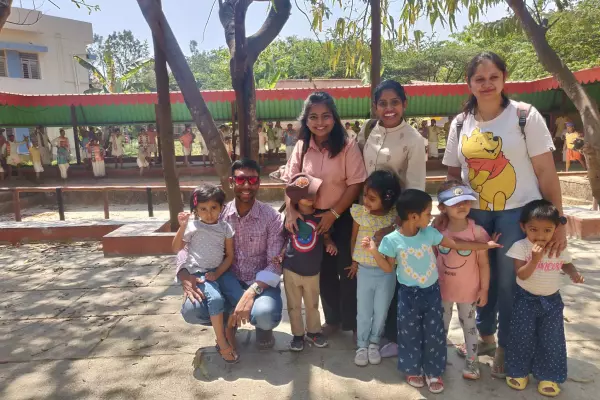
(335, 214)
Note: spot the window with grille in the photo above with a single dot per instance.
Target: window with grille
(3, 71)
(30, 65)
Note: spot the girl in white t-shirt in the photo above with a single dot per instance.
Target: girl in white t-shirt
(537, 341)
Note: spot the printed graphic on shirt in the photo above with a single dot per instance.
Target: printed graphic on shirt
(418, 253)
(490, 173)
(306, 242)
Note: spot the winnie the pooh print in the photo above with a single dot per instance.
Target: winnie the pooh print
(490, 173)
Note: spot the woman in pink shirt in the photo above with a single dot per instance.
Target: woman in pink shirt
(324, 152)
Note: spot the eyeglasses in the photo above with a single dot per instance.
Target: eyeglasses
(446, 250)
(240, 180)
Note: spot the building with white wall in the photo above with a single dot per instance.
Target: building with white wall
(36, 56)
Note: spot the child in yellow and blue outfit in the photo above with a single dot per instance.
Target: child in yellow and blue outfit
(421, 335)
(375, 287)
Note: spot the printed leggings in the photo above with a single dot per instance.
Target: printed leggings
(537, 341)
(421, 339)
(467, 315)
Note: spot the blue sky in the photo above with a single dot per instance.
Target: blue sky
(187, 19)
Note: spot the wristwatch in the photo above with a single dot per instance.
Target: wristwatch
(563, 220)
(257, 289)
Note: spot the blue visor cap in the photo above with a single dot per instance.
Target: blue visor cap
(456, 195)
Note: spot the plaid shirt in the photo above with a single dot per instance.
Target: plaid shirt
(258, 239)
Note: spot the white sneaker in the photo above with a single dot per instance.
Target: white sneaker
(373, 354)
(362, 358)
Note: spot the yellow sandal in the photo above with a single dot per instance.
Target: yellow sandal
(521, 383)
(548, 385)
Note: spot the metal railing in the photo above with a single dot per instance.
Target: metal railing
(60, 190)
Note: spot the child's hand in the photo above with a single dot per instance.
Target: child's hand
(576, 277)
(277, 260)
(537, 252)
(331, 248)
(493, 244)
(368, 243)
(352, 270)
(211, 276)
(183, 218)
(482, 298)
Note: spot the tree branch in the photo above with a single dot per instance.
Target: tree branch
(276, 19)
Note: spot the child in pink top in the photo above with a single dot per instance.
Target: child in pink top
(464, 276)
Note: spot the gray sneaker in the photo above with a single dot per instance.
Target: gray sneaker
(471, 370)
(297, 343)
(318, 339)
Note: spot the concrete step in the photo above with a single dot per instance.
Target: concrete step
(576, 187)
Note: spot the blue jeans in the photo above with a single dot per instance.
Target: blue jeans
(375, 289)
(496, 313)
(265, 314)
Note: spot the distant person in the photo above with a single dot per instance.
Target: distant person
(434, 134)
(262, 144)
(97, 153)
(45, 146)
(350, 132)
(2, 153)
(278, 131)
(272, 142)
(447, 126)
(63, 153)
(142, 158)
(152, 143)
(290, 137)
(84, 139)
(356, 127)
(13, 159)
(187, 140)
(117, 141)
(36, 158)
(569, 147)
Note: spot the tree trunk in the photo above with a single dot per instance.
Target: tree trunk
(164, 121)
(375, 49)
(244, 52)
(5, 6)
(587, 107)
(185, 79)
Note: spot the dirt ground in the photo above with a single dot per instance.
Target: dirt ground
(76, 325)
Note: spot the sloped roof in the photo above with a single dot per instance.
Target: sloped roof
(424, 99)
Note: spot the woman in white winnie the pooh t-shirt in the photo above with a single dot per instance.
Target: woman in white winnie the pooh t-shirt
(507, 169)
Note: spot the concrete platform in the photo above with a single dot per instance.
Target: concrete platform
(582, 223)
(36, 231)
(152, 238)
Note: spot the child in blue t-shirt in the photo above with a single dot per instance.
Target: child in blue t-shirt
(421, 335)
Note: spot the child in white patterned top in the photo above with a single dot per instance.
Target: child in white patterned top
(537, 341)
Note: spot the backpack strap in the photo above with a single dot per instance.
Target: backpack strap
(523, 110)
(460, 121)
(369, 125)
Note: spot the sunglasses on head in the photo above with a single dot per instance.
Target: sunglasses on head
(240, 180)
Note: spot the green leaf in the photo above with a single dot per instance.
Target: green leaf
(135, 68)
(85, 64)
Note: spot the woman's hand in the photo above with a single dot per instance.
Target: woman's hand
(291, 216)
(327, 219)
(379, 235)
(558, 242)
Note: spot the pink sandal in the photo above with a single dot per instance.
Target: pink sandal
(434, 380)
(415, 381)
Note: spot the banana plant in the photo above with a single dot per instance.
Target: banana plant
(110, 82)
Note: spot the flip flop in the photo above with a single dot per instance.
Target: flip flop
(548, 385)
(415, 381)
(229, 355)
(431, 381)
(519, 383)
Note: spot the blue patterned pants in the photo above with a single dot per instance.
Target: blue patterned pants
(421, 336)
(537, 341)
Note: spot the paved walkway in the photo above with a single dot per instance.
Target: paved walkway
(74, 325)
